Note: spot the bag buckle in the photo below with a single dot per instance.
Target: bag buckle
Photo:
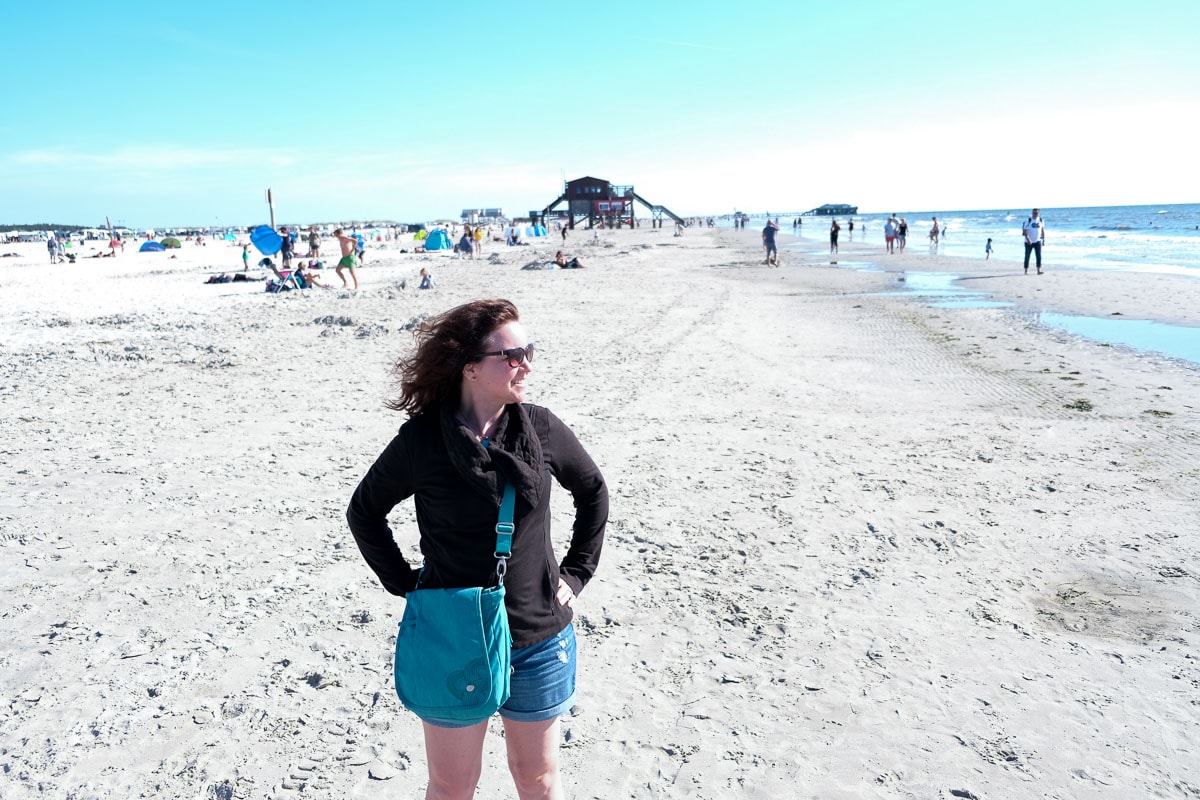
(501, 567)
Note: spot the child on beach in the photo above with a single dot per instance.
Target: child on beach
(245, 257)
(988, 250)
(427, 281)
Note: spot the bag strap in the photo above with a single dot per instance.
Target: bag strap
(505, 530)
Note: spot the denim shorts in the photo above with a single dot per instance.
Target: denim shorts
(542, 683)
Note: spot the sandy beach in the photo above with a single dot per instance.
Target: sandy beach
(859, 547)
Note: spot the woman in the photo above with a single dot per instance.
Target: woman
(468, 432)
(833, 236)
(466, 245)
(560, 261)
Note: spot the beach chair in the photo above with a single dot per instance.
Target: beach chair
(285, 282)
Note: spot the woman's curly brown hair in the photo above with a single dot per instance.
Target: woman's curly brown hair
(432, 374)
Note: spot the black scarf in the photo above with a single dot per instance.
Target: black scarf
(514, 454)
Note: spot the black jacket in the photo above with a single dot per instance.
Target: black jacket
(456, 484)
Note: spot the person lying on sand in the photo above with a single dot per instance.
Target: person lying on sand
(560, 260)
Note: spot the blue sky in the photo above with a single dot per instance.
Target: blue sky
(155, 115)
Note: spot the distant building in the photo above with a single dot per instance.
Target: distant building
(833, 210)
(599, 201)
(473, 215)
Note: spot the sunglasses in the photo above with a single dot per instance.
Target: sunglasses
(515, 355)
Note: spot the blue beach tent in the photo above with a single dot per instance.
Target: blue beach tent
(437, 240)
(266, 240)
(151, 247)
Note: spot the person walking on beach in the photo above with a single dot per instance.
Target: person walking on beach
(348, 245)
(768, 237)
(469, 432)
(833, 237)
(987, 250)
(934, 233)
(52, 246)
(245, 258)
(1035, 233)
(314, 242)
(889, 233)
(902, 234)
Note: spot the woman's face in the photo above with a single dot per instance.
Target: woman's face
(491, 377)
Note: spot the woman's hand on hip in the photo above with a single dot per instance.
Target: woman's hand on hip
(565, 595)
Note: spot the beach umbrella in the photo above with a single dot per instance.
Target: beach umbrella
(266, 240)
(151, 247)
(170, 243)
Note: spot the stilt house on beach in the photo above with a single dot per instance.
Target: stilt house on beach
(599, 201)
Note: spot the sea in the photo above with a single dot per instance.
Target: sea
(1145, 238)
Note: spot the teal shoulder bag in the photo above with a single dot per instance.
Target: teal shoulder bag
(453, 650)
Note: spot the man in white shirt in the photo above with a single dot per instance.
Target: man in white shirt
(1035, 234)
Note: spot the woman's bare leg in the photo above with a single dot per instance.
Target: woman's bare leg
(533, 758)
(455, 757)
